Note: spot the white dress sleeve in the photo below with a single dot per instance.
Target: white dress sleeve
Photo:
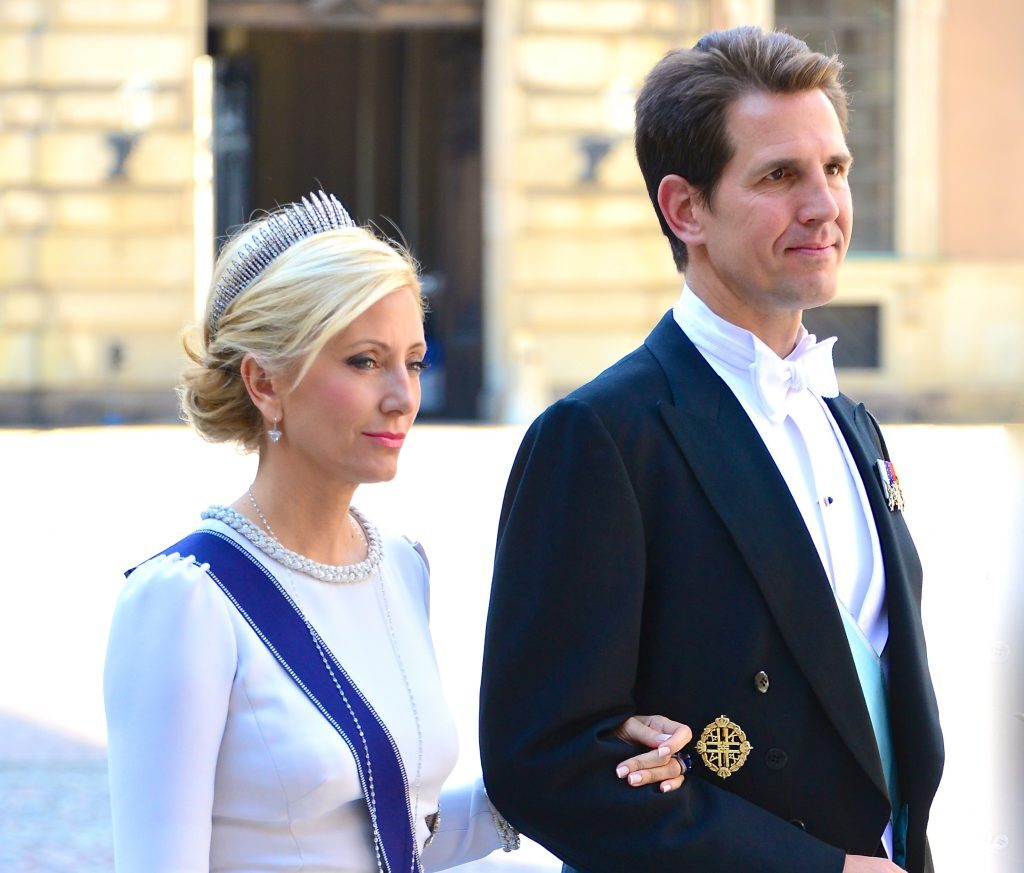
(170, 664)
(467, 832)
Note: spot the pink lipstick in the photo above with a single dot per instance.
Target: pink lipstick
(386, 438)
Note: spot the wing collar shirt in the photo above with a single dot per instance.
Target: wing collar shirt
(783, 398)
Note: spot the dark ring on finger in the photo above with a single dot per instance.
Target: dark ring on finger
(685, 762)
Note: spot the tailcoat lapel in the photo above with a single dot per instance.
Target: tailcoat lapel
(746, 489)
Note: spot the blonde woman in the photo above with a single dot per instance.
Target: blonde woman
(272, 694)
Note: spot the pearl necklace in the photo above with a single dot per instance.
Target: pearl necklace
(271, 546)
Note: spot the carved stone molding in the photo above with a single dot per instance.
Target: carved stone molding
(345, 13)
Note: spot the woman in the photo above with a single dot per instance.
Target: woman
(271, 689)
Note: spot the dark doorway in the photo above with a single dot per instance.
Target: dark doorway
(389, 120)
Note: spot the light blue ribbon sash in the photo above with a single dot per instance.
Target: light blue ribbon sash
(876, 696)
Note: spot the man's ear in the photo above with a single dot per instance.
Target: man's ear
(262, 388)
(682, 208)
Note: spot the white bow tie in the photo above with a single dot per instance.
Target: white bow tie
(808, 366)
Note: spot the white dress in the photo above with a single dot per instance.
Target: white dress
(219, 762)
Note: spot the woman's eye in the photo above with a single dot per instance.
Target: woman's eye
(362, 362)
(418, 366)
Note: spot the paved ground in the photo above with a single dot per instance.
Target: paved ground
(82, 505)
(54, 807)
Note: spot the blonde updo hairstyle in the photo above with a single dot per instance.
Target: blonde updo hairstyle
(308, 294)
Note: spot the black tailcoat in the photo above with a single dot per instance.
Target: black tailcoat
(651, 559)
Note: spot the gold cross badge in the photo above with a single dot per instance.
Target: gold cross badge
(723, 747)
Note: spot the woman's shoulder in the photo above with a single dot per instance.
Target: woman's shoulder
(172, 625)
(168, 568)
(171, 581)
(406, 559)
(405, 552)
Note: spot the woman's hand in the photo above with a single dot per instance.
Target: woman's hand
(664, 764)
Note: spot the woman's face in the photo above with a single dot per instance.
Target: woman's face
(348, 417)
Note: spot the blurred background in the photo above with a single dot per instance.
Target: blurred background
(495, 138)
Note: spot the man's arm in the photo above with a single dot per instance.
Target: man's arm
(560, 664)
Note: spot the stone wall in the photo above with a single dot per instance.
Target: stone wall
(578, 270)
(97, 273)
(95, 268)
(950, 338)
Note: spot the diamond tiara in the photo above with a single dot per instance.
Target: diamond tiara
(297, 221)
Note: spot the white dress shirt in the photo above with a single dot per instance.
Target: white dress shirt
(810, 452)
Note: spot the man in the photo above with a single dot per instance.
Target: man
(697, 532)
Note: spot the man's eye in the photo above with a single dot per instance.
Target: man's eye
(776, 175)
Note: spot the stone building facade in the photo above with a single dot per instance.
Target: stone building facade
(577, 269)
(107, 188)
(96, 257)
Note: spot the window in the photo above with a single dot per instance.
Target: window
(858, 329)
(863, 34)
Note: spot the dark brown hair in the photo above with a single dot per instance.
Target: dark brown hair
(681, 109)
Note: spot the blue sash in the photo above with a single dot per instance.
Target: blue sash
(279, 623)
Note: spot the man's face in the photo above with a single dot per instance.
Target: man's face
(779, 223)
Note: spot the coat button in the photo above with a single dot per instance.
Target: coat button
(798, 823)
(761, 682)
(776, 759)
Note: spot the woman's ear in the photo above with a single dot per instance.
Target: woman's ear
(262, 388)
(682, 208)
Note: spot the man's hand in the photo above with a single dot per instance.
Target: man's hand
(864, 864)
